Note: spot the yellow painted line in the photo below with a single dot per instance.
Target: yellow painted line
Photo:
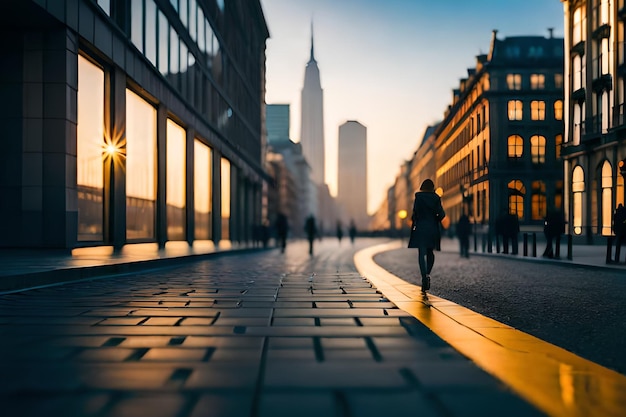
(556, 381)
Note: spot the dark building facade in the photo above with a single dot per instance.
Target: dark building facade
(130, 122)
(497, 148)
(594, 148)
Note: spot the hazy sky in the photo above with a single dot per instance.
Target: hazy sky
(389, 64)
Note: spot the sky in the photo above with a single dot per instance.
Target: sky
(389, 64)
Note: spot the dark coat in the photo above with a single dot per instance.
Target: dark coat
(427, 215)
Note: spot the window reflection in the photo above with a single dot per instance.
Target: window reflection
(537, 110)
(578, 187)
(175, 181)
(607, 197)
(89, 147)
(515, 110)
(140, 167)
(225, 198)
(516, 146)
(202, 190)
(538, 149)
(516, 198)
(151, 34)
(538, 200)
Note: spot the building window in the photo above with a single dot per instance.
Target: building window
(105, 5)
(579, 25)
(175, 173)
(225, 172)
(514, 81)
(516, 146)
(538, 149)
(538, 110)
(558, 110)
(140, 168)
(90, 145)
(537, 81)
(515, 110)
(516, 198)
(558, 141)
(203, 202)
(607, 198)
(538, 200)
(578, 187)
(558, 80)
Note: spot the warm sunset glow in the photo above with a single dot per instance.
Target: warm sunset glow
(439, 191)
(402, 214)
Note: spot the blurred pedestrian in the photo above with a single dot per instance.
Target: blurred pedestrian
(553, 228)
(311, 231)
(339, 231)
(511, 233)
(500, 227)
(619, 228)
(427, 216)
(282, 227)
(463, 231)
(352, 231)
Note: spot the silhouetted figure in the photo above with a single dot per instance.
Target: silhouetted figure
(339, 231)
(427, 216)
(282, 227)
(553, 228)
(511, 233)
(311, 231)
(500, 227)
(265, 233)
(463, 231)
(352, 231)
(619, 228)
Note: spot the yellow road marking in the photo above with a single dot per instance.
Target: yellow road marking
(556, 381)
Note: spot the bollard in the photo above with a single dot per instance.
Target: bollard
(569, 247)
(475, 243)
(557, 248)
(525, 244)
(489, 247)
(609, 247)
(534, 245)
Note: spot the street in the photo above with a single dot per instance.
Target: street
(254, 334)
(579, 309)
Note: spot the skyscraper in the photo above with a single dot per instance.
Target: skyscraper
(312, 122)
(352, 172)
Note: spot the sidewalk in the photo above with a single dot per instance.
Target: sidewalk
(235, 339)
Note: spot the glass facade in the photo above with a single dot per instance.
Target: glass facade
(140, 168)
(202, 191)
(176, 171)
(90, 151)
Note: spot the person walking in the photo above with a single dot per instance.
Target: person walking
(463, 231)
(311, 231)
(339, 231)
(282, 227)
(554, 227)
(426, 217)
(619, 228)
(352, 231)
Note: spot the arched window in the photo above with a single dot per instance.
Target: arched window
(538, 200)
(516, 146)
(558, 110)
(538, 149)
(516, 198)
(515, 110)
(607, 197)
(578, 188)
(538, 110)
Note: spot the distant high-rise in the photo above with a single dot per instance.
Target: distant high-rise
(352, 172)
(277, 122)
(312, 122)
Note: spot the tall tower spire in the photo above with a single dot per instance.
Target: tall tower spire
(312, 48)
(312, 122)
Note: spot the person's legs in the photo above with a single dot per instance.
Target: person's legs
(430, 260)
(421, 260)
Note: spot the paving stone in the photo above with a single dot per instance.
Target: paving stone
(105, 354)
(174, 354)
(289, 404)
(155, 405)
(225, 404)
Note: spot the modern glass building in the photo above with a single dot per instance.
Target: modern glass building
(130, 121)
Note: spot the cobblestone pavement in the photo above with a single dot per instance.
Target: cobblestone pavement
(259, 334)
(579, 308)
